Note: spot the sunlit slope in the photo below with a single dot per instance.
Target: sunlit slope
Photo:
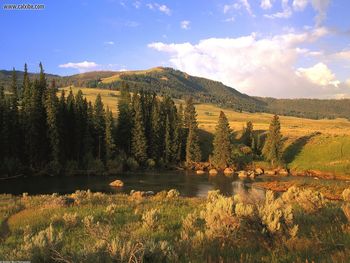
(304, 148)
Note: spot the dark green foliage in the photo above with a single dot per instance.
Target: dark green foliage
(109, 135)
(139, 142)
(273, 145)
(193, 152)
(222, 143)
(99, 125)
(124, 120)
(247, 136)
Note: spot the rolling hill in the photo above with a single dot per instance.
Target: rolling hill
(178, 84)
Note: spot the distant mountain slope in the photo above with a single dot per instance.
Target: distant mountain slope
(6, 77)
(309, 108)
(179, 84)
(172, 82)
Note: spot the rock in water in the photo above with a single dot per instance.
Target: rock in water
(259, 171)
(199, 172)
(228, 171)
(213, 172)
(242, 174)
(117, 183)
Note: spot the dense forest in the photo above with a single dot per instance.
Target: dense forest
(49, 133)
(43, 132)
(177, 84)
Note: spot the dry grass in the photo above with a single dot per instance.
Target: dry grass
(208, 115)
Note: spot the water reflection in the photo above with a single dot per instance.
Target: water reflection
(189, 184)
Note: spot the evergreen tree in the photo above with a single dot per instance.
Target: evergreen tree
(167, 142)
(139, 143)
(248, 134)
(14, 92)
(273, 146)
(99, 125)
(222, 143)
(193, 153)
(124, 120)
(155, 136)
(109, 131)
(52, 122)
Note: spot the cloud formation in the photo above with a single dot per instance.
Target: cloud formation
(320, 6)
(185, 24)
(162, 8)
(81, 66)
(237, 6)
(260, 66)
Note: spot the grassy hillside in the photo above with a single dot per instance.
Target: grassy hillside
(304, 147)
(179, 85)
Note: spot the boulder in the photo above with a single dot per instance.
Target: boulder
(228, 171)
(283, 172)
(270, 172)
(259, 171)
(149, 193)
(117, 183)
(199, 172)
(242, 174)
(213, 172)
(251, 174)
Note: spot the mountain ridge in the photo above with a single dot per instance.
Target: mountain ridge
(178, 84)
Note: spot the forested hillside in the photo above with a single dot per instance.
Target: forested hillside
(177, 84)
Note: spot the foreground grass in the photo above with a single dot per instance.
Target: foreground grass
(94, 227)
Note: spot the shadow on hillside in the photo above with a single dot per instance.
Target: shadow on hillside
(296, 147)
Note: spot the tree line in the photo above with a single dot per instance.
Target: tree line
(43, 131)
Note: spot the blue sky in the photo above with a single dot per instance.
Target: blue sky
(279, 48)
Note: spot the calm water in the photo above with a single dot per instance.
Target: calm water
(188, 184)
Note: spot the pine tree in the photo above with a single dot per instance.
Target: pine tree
(124, 126)
(99, 125)
(52, 122)
(193, 153)
(167, 142)
(273, 146)
(109, 131)
(139, 143)
(248, 134)
(14, 92)
(222, 143)
(155, 136)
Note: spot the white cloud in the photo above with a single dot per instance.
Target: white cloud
(137, 4)
(319, 74)
(185, 24)
(230, 19)
(266, 4)
(299, 5)
(162, 8)
(109, 43)
(343, 55)
(321, 7)
(238, 5)
(81, 66)
(260, 66)
(286, 11)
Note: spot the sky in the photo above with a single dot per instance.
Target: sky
(271, 48)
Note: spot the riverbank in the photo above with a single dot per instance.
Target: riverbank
(91, 227)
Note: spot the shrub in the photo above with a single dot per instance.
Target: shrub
(40, 246)
(346, 211)
(308, 199)
(132, 164)
(150, 219)
(150, 163)
(276, 217)
(346, 195)
(172, 193)
(70, 219)
(111, 209)
(115, 166)
(219, 216)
